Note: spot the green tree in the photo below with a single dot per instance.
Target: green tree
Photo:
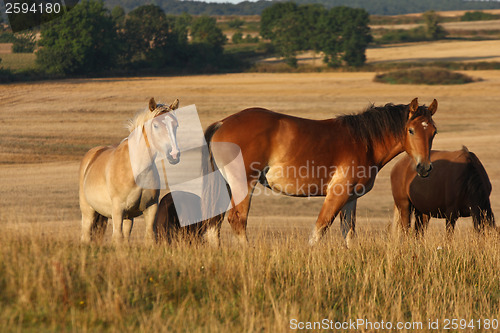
(180, 26)
(82, 41)
(288, 37)
(271, 15)
(433, 29)
(345, 34)
(205, 31)
(206, 49)
(151, 38)
(310, 16)
(118, 16)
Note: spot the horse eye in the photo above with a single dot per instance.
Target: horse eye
(411, 131)
(155, 125)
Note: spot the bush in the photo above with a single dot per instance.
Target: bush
(237, 38)
(403, 36)
(429, 75)
(250, 39)
(7, 37)
(24, 43)
(478, 16)
(236, 23)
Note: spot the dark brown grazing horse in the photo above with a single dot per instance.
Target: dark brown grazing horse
(168, 218)
(338, 158)
(457, 187)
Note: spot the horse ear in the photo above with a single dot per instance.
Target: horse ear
(433, 107)
(152, 104)
(413, 106)
(174, 105)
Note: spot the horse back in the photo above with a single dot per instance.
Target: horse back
(269, 138)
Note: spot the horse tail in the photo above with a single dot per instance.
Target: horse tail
(477, 188)
(213, 205)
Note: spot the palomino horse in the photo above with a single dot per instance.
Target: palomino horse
(180, 219)
(339, 158)
(458, 187)
(108, 188)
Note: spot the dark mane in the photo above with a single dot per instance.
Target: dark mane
(374, 123)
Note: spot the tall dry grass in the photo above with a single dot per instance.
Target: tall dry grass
(51, 282)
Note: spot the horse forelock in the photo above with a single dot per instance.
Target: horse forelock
(141, 117)
(423, 111)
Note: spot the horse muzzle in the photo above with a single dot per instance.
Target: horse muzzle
(173, 158)
(423, 170)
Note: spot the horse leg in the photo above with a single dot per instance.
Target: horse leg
(127, 228)
(150, 219)
(99, 227)
(89, 218)
(238, 215)
(348, 221)
(421, 223)
(117, 216)
(482, 218)
(402, 217)
(450, 226)
(331, 207)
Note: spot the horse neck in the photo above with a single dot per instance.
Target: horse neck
(144, 156)
(386, 149)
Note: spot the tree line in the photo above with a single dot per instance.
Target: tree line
(341, 33)
(374, 7)
(92, 39)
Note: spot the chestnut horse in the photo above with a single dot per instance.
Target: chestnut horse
(338, 158)
(458, 187)
(108, 188)
(180, 219)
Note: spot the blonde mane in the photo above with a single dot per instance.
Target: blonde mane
(142, 117)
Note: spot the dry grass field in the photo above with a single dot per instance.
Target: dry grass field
(445, 50)
(463, 51)
(466, 25)
(48, 281)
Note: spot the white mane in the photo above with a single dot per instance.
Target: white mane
(142, 117)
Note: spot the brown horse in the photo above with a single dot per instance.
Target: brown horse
(108, 186)
(458, 187)
(180, 219)
(337, 158)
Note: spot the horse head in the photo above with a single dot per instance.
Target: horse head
(163, 130)
(419, 133)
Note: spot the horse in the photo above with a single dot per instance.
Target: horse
(181, 219)
(458, 187)
(339, 158)
(107, 186)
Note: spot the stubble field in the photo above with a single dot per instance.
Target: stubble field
(49, 281)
